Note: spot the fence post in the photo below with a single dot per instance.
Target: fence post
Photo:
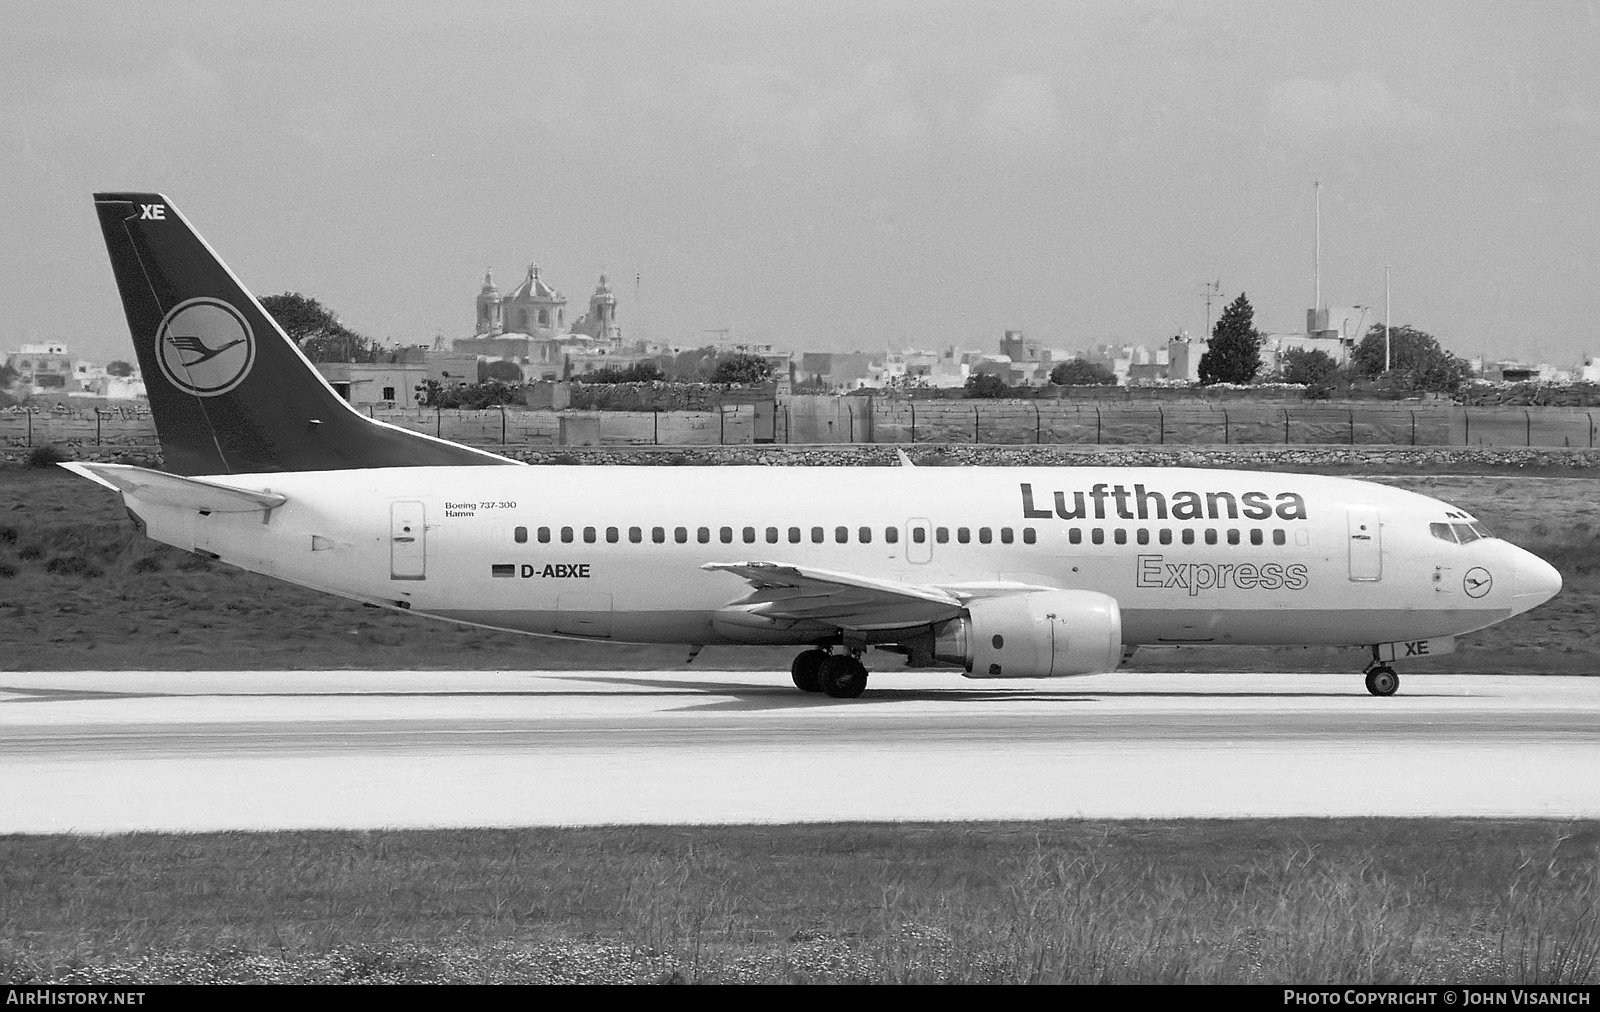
(788, 426)
(1161, 421)
(1097, 425)
(1036, 425)
(1285, 426)
(97, 440)
(1590, 416)
(1527, 430)
(913, 421)
(30, 424)
(722, 426)
(655, 425)
(1352, 426)
(1227, 436)
(502, 425)
(852, 413)
(1466, 422)
(974, 424)
(1413, 428)
(438, 421)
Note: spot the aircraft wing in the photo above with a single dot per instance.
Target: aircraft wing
(784, 595)
(175, 490)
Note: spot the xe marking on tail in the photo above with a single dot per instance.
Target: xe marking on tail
(214, 331)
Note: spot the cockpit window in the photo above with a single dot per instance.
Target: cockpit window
(1443, 532)
(1466, 533)
(1483, 532)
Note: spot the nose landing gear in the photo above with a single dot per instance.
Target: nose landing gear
(1382, 680)
(841, 676)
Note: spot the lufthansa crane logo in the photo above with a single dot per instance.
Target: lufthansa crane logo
(205, 347)
(1477, 582)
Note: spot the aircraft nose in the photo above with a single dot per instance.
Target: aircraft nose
(1537, 582)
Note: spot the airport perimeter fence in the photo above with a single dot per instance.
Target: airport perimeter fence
(827, 419)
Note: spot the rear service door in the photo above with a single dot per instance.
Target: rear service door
(1366, 544)
(407, 541)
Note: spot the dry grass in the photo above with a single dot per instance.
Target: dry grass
(1224, 901)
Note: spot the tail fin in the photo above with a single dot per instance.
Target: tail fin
(230, 392)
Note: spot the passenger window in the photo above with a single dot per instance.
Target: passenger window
(919, 534)
(985, 535)
(749, 535)
(588, 535)
(772, 535)
(1188, 535)
(1142, 536)
(1120, 536)
(1075, 536)
(794, 535)
(963, 534)
(635, 535)
(1098, 536)
(544, 535)
(1255, 536)
(1165, 536)
(1233, 535)
(612, 535)
(841, 534)
(864, 535)
(1211, 535)
(891, 535)
(566, 535)
(680, 535)
(1278, 537)
(941, 535)
(1029, 536)
(521, 535)
(817, 535)
(726, 534)
(658, 535)
(703, 535)
(1006, 535)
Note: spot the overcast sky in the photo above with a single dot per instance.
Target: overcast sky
(820, 175)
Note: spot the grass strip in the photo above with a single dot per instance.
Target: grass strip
(1213, 901)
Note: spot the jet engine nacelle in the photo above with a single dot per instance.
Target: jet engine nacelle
(1038, 635)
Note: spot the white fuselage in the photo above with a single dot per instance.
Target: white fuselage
(1191, 556)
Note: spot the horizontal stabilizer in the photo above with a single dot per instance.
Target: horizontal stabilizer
(173, 490)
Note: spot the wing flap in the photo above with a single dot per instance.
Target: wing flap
(786, 593)
(175, 490)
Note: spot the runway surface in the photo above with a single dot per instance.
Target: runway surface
(120, 751)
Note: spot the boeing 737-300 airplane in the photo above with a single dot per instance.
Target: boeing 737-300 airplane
(1001, 572)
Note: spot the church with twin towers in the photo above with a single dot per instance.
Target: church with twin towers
(537, 309)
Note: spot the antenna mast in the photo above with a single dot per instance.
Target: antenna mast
(1318, 189)
(1210, 290)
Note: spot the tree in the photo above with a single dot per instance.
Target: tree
(317, 331)
(8, 375)
(742, 368)
(1311, 366)
(1077, 372)
(501, 371)
(119, 368)
(639, 372)
(1416, 361)
(986, 386)
(1234, 354)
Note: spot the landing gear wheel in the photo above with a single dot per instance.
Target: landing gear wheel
(804, 670)
(842, 676)
(1382, 681)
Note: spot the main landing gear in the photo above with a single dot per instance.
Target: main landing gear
(841, 676)
(1382, 680)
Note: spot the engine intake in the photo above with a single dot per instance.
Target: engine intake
(1044, 634)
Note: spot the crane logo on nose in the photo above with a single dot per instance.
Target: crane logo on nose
(205, 347)
(1477, 582)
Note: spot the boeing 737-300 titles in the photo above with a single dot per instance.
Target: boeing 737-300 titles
(1001, 572)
